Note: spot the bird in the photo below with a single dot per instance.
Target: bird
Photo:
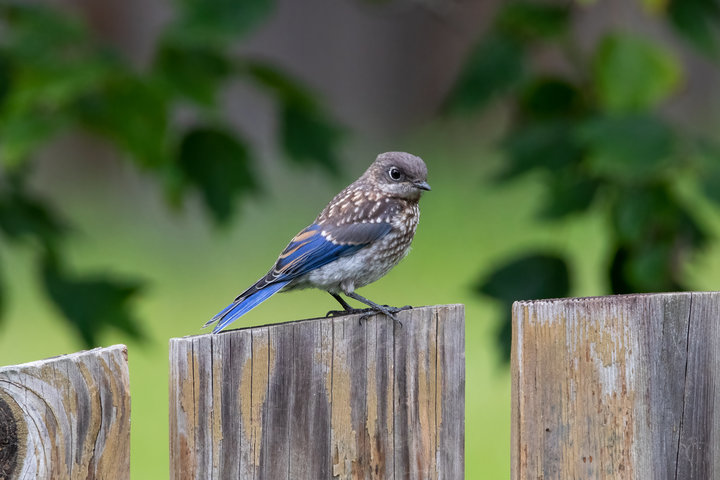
(363, 232)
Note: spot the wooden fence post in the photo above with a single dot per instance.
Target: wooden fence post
(322, 398)
(66, 417)
(619, 387)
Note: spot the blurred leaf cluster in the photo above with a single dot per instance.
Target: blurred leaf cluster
(56, 76)
(595, 132)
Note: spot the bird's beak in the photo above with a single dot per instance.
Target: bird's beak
(422, 186)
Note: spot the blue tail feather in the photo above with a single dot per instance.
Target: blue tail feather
(236, 310)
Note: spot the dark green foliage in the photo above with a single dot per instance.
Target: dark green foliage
(709, 156)
(595, 134)
(214, 22)
(193, 72)
(133, 114)
(632, 74)
(56, 76)
(550, 97)
(218, 165)
(532, 276)
(2, 297)
(532, 21)
(306, 135)
(26, 217)
(536, 275)
(493, 68)
(91, 303)
(698, 22)
(550, 145)
(626, 147)
(654, 234)
(496, 66)
(6, 76)
(568, 193)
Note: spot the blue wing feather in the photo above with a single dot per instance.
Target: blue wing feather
(311, 252)
(237, 309)
(307, 251)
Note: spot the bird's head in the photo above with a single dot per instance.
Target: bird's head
(399, 174)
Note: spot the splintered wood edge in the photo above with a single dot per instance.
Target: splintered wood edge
(99, 351)
(605, 298)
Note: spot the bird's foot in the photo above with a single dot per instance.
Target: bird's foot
(368, 312)
(387, 311)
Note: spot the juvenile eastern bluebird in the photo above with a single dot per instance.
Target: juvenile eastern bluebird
(359, 236)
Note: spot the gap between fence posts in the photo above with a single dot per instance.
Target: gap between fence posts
(322, 398)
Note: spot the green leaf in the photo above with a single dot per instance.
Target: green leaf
(54, 58)
(285, 88)
(37, 32)
(49, 60)
(531, 21)
(24, 216)
(495, 67)
(627, 147)
(218, 165)
(646, 214)
(91, 303)
(631, 74)
(309, 137)
(698, 22)
(211, 22)
(3, 301)
(6, 77)
(133, 113)
(550, 97)
(709, 171)
(192, 71)
(532, 276)
(649, 269)
(21, 135)
(569, 193)
(655, 234)
(307, 134)
(547, 145)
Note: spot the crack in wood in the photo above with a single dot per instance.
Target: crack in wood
(684, 396)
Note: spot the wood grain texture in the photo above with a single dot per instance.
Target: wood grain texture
(66, 417)
(618, 387)
(322, 398)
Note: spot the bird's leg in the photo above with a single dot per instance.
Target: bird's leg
(387, 310)
(341, 301)
(347, 308)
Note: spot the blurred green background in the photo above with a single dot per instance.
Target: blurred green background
(154, 160)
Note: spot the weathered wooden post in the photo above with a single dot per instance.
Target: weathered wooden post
(619, 387)
(322, 398)
(66, 417)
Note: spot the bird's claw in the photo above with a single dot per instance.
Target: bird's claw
(396, 309)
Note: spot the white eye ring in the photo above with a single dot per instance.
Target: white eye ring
(395, 173)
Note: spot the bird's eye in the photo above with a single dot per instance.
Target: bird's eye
(395, 173)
